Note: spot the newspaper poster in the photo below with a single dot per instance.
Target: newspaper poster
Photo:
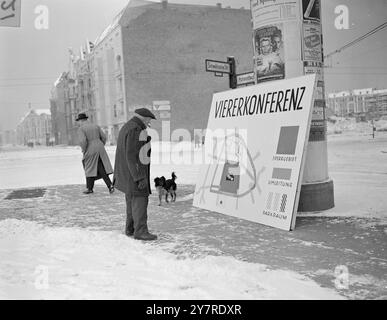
(10, 13)
(318, 109)
(312, 47)
(317, 68)
(269, 53)
(268, 12)
(317, 130)
(311, 10)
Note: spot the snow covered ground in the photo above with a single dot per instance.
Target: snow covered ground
(357, 165)
(73, 263)
(79, 263)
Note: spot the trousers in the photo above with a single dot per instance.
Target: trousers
(136, 214)
(101, 173)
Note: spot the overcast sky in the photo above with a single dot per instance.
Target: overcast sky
(31, 60)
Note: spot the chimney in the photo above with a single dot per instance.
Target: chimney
(219, 5)
(164, 4)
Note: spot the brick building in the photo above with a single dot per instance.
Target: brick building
(156, 52)
(165, 46)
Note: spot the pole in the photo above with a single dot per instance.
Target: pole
(287, 42)
(232, 75)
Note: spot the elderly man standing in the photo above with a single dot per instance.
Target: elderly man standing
(132, 170)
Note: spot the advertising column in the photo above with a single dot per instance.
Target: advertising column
(287, 40)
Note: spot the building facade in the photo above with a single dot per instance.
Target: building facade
(59, 107)
(367, 103)
(8, 137)
(153, 53)
(111, 110)
(164, 48)
(35, 128)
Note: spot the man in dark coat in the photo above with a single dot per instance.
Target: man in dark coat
(132, 171)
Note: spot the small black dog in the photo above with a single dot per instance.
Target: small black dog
(170, 187)
(159, 184)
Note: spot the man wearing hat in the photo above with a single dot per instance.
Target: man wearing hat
(95, 160)
(132, 171)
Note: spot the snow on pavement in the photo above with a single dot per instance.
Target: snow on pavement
(357, 166)
(84, 264)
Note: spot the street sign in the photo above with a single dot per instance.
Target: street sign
(245, 78)
(10, 12)
(161, 102)
(217, 66)
(162, 105)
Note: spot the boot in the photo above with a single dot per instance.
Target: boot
(129, 233)
(146, 237)
(88, 191)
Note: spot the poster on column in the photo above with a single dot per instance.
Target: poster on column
(276, 39)
(269, 53)
(311, 67)
(254, 151)
(312, 46)
(268, 12)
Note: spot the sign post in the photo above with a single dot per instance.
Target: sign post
(221, 67)
(288, 43)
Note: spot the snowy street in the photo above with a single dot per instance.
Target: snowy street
(79, 239)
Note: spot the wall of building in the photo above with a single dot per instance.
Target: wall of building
(59, 111)
(109, 78)
(165, 52)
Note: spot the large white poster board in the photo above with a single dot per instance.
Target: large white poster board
(255, 147)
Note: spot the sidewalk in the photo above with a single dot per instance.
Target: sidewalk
(314, 249)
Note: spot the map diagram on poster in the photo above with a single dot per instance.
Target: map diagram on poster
(255, 149)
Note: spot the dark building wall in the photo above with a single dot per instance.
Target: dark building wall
(165, 52)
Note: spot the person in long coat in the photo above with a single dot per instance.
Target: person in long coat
(95, 160)
(132, 171)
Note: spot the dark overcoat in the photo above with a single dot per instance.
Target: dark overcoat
(132, 162)
(92, 141)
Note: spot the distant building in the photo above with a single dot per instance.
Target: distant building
(368, 103)
(8, 137)
(35, 128)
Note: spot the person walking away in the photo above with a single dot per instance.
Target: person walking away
(95, 160)
(132, 171)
